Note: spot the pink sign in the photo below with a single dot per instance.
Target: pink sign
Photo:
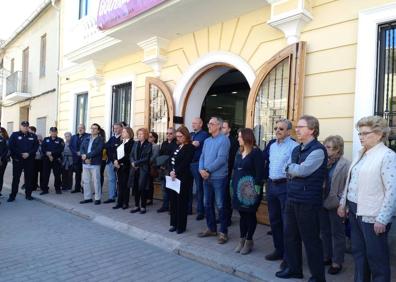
(114, 12)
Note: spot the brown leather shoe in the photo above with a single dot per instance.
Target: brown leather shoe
(207, 233)
(222, 238)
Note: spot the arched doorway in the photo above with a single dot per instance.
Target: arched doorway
(227, 98)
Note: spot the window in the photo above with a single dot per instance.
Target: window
(81, 109)
(12, 66)
(385, 102)
(25, 70)
(10, 127)
(41, 125)
(277, 92)
(121, 103)
(83, 8)
(159, 107)
(43, 54)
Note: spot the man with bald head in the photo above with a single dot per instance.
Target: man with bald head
(198, 137)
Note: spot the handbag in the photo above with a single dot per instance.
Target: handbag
(248, 193)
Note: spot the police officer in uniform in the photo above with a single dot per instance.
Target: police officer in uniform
(23, 147)
(52, 149)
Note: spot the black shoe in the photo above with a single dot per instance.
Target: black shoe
(124, 207)
(180, 231)
(283, 265)
(286, 274)
(109, 201)
(75, 191)
(273, 256)
(135, 210)
(172, 229)
(327, 262)
(142, 211)
(44, 192)
(116, 207)
(200, 217)
(334, 270)
(11, 199)
(29, 198)
(58, 192)
(162, 209)
(97, 202)
(86, 201)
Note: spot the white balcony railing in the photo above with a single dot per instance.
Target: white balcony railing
(18, 82)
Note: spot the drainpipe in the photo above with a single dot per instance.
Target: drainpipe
(57, 72)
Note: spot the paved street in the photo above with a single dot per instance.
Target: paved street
(42, 243)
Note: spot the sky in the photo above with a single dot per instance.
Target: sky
(13, 13)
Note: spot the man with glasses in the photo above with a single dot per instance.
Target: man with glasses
(111, 149)
(91, 155)
(167, 149)
(75, 146)
(306, 172)
(213, 167)
(198, 137)
(277, 154)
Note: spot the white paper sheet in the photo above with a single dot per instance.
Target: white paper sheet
(120, 152)
(173, 184)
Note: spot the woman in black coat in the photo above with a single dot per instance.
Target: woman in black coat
(4, 154)
(247, 185)
(180, 169)
(123, 166)
(140, 170)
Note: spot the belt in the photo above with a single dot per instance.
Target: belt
(279, 181)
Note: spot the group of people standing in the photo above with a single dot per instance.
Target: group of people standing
(311, 189)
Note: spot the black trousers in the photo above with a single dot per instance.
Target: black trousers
(179, 207)
(25, 165)
(302, 225)
(123, 187)
(102, 170)
(247, 224)
(77, 169)
(3, 167)
(370, 251)
(56, 168)
(139, 192)
(38, 169)
(67, 178)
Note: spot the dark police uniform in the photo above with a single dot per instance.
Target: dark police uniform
(55, 146)
(20, 143)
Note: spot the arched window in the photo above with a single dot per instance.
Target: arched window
(277, 92)
(159, 109)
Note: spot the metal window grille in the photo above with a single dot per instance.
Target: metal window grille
(121, 106)
(385, 102)
(159, 115)
(81, 109)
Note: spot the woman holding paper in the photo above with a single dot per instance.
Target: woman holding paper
(180, 169)
(123, 166)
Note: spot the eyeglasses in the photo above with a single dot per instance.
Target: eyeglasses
(280, 128)
(364, 134)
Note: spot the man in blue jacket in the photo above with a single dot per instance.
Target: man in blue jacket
(91, 155)
(213, 167)
(75, 145)
(52, 149)
(23, 147)
(306, 172)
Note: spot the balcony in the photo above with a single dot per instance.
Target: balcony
(18, 87)
(169, 20)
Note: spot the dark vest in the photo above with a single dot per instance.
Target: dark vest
(308, 189)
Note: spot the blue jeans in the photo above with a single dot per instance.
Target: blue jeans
(276, 198)
(111, 176)
(214, 191)
(199, 186)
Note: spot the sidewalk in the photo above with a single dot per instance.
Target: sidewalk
(153, 228)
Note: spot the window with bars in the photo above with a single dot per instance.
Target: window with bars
(159, 116)
(121, 103)
(385, 102)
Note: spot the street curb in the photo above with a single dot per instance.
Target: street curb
(210, 258)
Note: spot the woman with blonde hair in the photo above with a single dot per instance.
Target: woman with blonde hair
(247, 186)
(370, 199)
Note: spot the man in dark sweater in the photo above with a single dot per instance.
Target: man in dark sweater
(306, 172)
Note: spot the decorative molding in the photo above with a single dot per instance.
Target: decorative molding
(154, 53)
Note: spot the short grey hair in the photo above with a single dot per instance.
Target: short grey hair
(337, 143)
(285, 121)
(377, 124)
(67, 133)
(219, 120)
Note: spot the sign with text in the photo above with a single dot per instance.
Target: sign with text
(114, 12)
